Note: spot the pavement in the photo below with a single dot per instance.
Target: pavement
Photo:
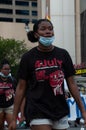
(73, 126)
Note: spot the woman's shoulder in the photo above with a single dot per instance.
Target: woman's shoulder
(62, 50)
(30, 52)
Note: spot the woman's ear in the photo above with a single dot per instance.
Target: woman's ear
(36, 35)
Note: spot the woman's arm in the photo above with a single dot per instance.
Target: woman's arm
(22, 110)
(20, 93)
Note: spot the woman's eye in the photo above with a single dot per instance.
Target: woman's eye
(42, 28)
(50, 29)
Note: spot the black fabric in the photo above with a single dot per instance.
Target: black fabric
(45, 73)
(7, 91)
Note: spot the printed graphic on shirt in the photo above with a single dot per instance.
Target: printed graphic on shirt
(6, 88)
(50, 70)
(56, 81)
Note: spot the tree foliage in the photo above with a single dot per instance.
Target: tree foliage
(12, 50)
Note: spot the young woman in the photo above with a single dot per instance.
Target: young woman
(7, 89)
(44, 68)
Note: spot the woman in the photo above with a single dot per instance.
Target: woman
(44, 68)
(7, 89)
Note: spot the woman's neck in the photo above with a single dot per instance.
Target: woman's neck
(45, 49)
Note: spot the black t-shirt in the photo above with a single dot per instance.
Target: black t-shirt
(45, 73)
(7, 92)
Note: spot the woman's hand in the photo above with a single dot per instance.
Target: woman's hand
(84, 117)
(12, 125)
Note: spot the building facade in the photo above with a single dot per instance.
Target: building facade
(15, 15)
(66, 16)
(20, 11)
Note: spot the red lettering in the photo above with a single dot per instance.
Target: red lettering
(48, 63)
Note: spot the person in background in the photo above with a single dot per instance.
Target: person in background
(7, 91)
(45, 67)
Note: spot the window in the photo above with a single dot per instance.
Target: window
(34, 13)
(34, 20)
(22, 12)
(21, 3)
(6, 19)
(6, 11)
(9, 2)
(22, 20)
(34, 4)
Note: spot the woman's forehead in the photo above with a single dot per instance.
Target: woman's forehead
(45, 23)
(6, 66)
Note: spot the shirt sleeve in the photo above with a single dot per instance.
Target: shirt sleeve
(68, 65)
(23, 68)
